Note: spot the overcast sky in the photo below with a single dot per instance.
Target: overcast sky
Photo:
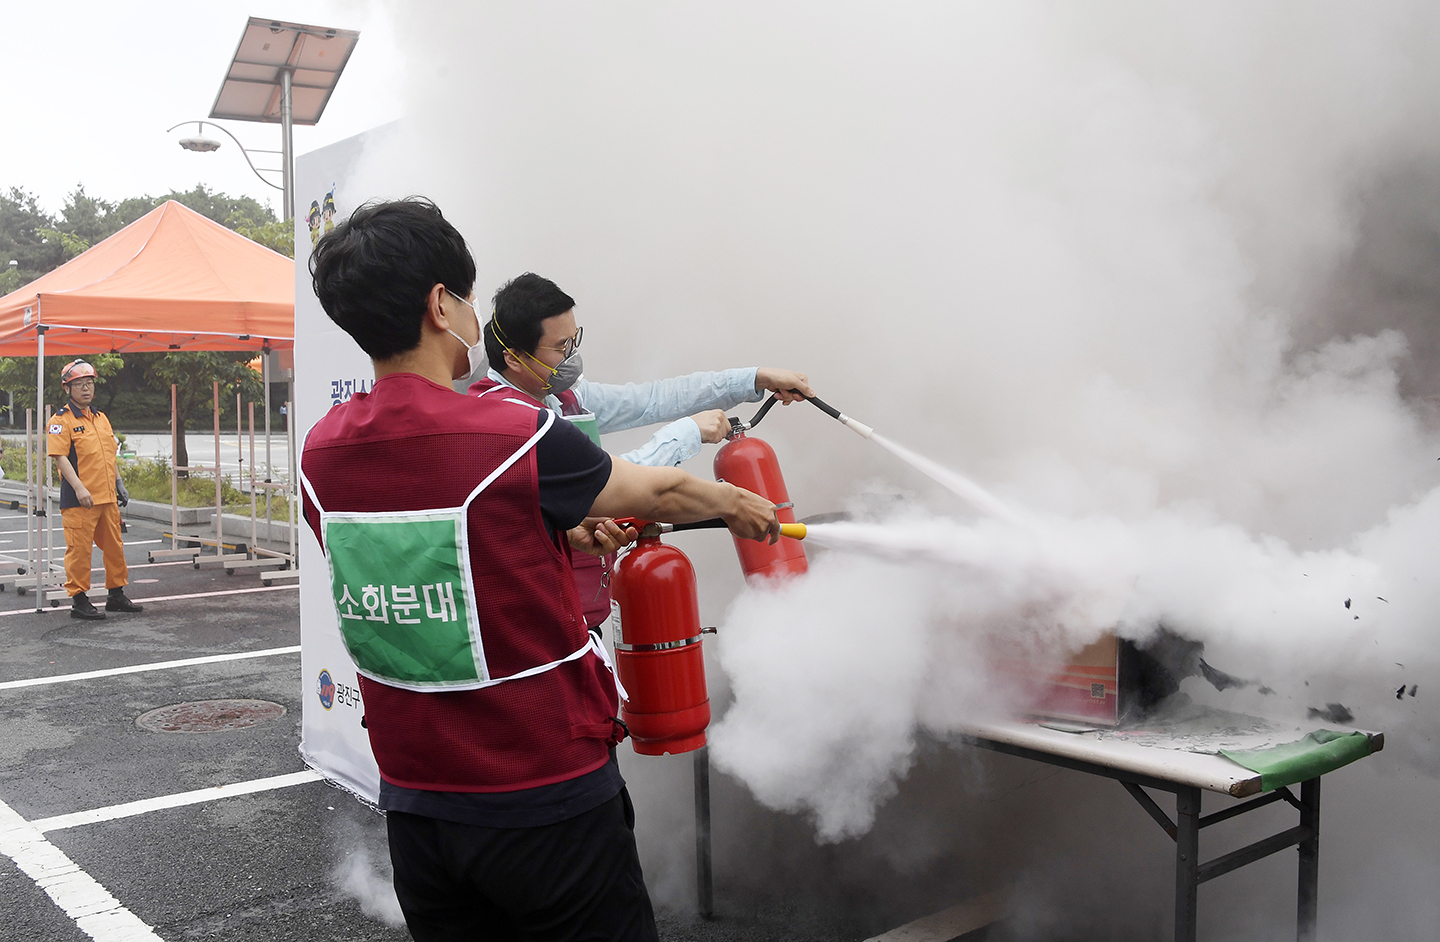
(91, 87)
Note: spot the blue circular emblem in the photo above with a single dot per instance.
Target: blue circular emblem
(326, 690)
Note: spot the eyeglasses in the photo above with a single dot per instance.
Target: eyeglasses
(571, 343)
(82, 384)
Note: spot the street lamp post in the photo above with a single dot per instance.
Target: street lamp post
(287, 142)
(282, 73)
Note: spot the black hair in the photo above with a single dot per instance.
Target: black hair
(521, 305)
(373, 273)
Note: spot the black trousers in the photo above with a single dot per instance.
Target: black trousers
(576, 880)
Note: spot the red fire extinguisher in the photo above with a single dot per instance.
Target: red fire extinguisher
(658, 650)
(751, 463)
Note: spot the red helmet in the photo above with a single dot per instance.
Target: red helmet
(76, 369)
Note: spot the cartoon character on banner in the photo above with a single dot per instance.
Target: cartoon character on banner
(314, 220)
(330, 209)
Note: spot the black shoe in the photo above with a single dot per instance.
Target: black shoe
(117, 602)
(82, 607)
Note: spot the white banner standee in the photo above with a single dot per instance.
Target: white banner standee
(329, 368)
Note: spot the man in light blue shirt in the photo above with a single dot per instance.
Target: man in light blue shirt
(532, 344)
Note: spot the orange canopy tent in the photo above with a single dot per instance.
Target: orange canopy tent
(171, 280)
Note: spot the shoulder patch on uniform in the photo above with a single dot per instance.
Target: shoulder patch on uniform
(56, 429)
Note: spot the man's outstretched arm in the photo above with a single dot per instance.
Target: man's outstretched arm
(675, 496)
(666, 400)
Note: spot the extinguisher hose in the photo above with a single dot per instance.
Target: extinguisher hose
(761, 414)
(795, 531)
(714, 523)
(860, 428)
(825, 407)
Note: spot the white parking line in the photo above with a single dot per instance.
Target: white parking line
(198, 796)
(142, 668)
(183, 562)
(97, 913)
(171, 598)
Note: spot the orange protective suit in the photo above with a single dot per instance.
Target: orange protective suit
(85, 438)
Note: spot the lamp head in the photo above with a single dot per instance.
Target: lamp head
(200, 144)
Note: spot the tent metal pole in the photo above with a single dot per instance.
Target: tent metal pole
(219, 506)
(31, 535)
(49, 527)
(254, 541)
(239, 444)
(269, 464)
(174, 470)
(41, 569)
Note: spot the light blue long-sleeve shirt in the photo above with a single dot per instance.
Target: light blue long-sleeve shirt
(671, 400)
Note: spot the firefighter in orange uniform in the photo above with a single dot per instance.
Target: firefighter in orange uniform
(83, 446)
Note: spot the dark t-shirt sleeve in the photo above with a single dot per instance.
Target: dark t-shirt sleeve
(573, 471)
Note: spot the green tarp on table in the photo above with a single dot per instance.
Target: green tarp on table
(1324, 750)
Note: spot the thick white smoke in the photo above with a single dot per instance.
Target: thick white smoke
(834, 674)
(1119, 262)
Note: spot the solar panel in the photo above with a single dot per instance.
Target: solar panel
(314, 55)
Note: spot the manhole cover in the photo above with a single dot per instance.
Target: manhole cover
(208, 716)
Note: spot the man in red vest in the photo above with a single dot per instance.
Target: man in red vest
(493, 721)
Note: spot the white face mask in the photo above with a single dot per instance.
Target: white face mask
(474, 352)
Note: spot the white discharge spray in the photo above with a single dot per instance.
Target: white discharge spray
(958, 484)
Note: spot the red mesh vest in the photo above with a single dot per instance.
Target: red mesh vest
(589, 570)
(411, 444)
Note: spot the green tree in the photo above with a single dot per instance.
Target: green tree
(20, 218)
(193, 375)
(18, 374)
(276, 235)
(232, 212)
(71, 244)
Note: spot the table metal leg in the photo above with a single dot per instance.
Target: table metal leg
(1187, 861)
(1308, 899)
(703, 877)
